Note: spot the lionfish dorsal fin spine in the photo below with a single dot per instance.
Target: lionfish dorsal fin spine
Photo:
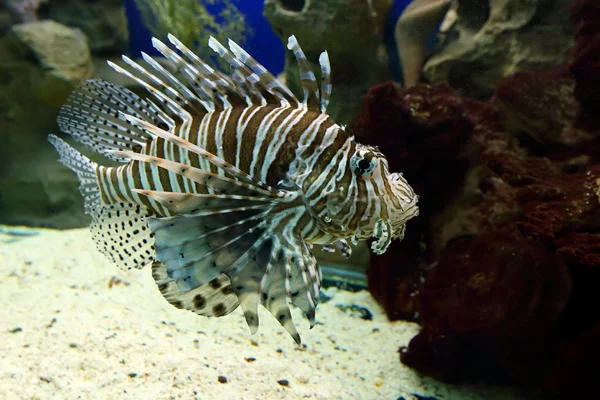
(307, 76)
(248, 81)
(326, 87)
(199, 105)
(203, 76)
(89, 116)
(261, 76)
(171, 108)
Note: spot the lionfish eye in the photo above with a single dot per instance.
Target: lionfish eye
(363, 163)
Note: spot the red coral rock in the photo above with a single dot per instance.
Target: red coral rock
(543, 106)
(420, 128)
(575, 370)
(550, 200)
(394, 278)
(508, 241)
(492, 294)
(585, 66)
(582, 248)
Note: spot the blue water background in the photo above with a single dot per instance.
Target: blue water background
(264, 45)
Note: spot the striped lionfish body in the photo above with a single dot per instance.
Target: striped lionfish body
(227, 181)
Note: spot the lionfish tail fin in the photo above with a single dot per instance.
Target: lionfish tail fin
(84, 168)
(119, 230)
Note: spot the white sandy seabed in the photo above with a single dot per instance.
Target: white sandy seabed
(65, 334)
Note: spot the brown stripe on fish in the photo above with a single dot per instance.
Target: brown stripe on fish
(137, 183)
(163, 174)
(351, 199)
(286, 152)
(177, 182)
(344, 200)
(151, 181)
(113, 182)
(167, 151)
(371, 208)
(104, 188)
(219, 134)
(193, 159)
(122, 171)
(208, 136)
(266, 127)
(242, 124)
(249, 135)
(193, 137)
(263, 148)
(382, 206)
(229, 137)
(361, 204)
(197, 137)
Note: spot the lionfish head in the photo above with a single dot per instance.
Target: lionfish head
(387, 199)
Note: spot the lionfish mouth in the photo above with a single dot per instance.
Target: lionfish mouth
(387, 229)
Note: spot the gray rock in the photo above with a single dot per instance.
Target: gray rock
(22, 10)
(60, 51)
(352, 33)
(5, 22)
(492, 39)
(103, 21)
(40, 64)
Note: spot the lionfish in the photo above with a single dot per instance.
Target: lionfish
(227, 181)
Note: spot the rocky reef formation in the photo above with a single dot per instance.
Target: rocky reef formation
(104, 22)
(40, 63)
(22, 10)
(46, 49)
(501, 266)
(352, 33)
(492, 39)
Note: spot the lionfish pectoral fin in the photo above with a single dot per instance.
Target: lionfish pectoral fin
(213, 299)
(246, 248)
(341, 245)
(248, 252)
